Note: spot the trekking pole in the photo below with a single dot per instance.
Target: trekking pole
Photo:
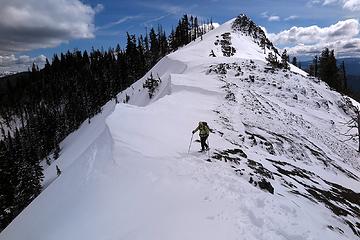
(208, 148)
(190, 143)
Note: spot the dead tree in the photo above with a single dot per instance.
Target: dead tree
(354, 123)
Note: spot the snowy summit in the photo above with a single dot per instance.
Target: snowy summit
(278, 166)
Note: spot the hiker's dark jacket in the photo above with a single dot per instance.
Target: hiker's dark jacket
(203, 130)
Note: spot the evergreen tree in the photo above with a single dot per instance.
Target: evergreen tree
(164, 45)
(58, 171)
(284, 60)
(185, 30)
(172, 41)
(327, 68)
(131, 56)
(316, 66)
(141, 65)
(196, 27)
(7, 177)
(324, 62)
(154, 47)
(343, 74)
(263, 44)
(272, 61)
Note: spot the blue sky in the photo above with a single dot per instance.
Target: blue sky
(57, 26)
(150, 13)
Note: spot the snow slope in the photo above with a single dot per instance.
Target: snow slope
(128, 174)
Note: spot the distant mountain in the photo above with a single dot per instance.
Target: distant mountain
(352, 66)
(353, 71)
(7, 73)
(354, 82)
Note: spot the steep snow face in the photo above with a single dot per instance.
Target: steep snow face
(277, 167)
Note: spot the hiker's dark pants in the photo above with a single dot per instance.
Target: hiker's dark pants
(203, 142)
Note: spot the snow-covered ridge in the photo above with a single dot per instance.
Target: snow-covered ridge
(278, 168)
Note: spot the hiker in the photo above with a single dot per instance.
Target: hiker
(204, 130)
(58, 171)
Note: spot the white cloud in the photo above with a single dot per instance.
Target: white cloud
(270, 18)
(273, 18)
(32, 24)
(7, 60)
(351, 5)
(168, 8)
(313, 34)
(343, 48)
(264, 15)
(292, 17)
(99, 8)
(21, 63)
(328, 2)
(149, 22)
(117, 22)
(342, 36)
(173, 9)
(312, 3)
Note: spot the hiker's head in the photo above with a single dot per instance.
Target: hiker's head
(200, 123)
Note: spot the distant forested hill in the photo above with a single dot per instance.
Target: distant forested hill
(352, 70)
